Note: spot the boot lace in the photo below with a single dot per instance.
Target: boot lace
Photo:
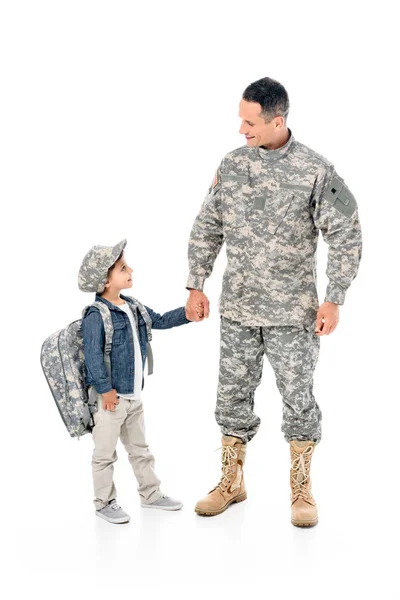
(300, 474)
(229, 458)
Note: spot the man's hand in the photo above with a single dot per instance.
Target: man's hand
(197, 306)
(199, 311)
(327, 318)
(110, 400)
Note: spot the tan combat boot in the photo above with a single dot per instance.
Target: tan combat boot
(231, 487)
(304, 507)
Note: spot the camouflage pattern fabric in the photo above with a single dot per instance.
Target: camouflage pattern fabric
(268, 206)
(93, 271)
(67, 384)
(107, 322)
(293, 354)
(63, 362)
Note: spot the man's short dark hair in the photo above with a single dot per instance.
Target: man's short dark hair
(271, 95)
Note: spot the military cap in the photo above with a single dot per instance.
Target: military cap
(92, 275)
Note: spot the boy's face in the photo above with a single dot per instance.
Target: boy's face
(120, 277)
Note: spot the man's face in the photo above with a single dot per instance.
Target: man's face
(121, 275)
(254, 127)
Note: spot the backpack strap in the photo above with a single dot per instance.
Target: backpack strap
(145, 315)
(147, 320)
(107, 322)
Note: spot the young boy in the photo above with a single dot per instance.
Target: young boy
(115, 383)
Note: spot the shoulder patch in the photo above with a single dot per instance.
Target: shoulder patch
(215, 185)
(215, 180)
(340, 197)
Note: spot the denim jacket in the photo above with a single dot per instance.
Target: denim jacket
(122, 356)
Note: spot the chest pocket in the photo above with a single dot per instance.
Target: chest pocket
(119, 331)
(280, 208)
(274, 205)
(233, 187)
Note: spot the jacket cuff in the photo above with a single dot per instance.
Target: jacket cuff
(195, 282)
(103, 388)
(335, 293)
(183, 320)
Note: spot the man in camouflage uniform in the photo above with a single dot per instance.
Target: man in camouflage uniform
(268, 201)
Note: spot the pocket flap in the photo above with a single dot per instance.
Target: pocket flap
(234, 177)
(119, 323)
(295, 186)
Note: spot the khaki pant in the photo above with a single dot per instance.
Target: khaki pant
(126, 423)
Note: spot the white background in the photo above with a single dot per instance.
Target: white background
(114, 117)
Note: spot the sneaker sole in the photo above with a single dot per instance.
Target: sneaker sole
(162, 507)
(113, 521)
(305, 523)
(213, 513)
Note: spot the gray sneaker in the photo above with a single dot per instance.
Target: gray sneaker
(113, 513)
(164, 503)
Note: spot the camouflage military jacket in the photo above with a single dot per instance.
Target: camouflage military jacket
(269, 206)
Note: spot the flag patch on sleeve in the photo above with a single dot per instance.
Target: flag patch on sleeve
(215, 185)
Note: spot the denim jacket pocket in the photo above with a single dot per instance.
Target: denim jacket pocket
(119, 332)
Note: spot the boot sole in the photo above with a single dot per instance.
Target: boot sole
(213, 513)
(304, 523)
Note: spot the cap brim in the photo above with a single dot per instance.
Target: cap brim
(116, 251)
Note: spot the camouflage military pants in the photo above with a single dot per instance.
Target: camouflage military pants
(292, 353)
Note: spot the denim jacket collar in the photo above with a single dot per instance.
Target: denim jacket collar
(110, 305)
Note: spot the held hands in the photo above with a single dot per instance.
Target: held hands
(197, 306)
(327, 318)
(110, 400)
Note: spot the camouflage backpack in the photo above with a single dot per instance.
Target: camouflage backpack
(63, 362)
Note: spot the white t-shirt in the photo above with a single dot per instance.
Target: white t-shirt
(137, 384)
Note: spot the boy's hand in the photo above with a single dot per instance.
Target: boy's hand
(200, 310)
(110, 400)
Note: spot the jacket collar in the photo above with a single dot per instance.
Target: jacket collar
(110, 305)
(278, 152)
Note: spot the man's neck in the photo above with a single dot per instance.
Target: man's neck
(280, 141)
